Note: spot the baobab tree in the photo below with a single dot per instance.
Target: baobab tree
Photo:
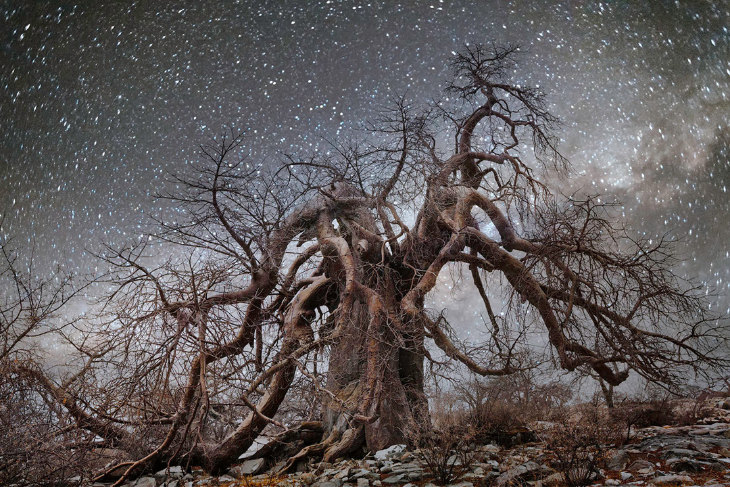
(313, 274)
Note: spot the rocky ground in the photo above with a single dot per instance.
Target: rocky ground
(657, 456)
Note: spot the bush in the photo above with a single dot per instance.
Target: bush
(449, 449)
(500, 422)
(637, 414)
(34, 447)
(448, 453)
(500, 409)
(580, 443)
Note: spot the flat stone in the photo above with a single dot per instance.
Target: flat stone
(618, 460)
(174, 472)
(490, 448)
(363, 482)
(327, 483)
(461, 484)
(612, 482)
(681, 453)
(625, 475)
(363, 473)
(343, 474)
(556, 479)
(672, 480)
(639, 465)
(392, 451)
(525, 472)
(249, 467)
(394, 479)
(406, 469)
(675, 441)
(685, 465)
(307, 478)
(146, 482)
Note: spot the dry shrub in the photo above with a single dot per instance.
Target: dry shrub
(697, 407)
(500, 409)
(35, 449)
(448, 452)
(641, 414)
(580, 442)
(500, 422)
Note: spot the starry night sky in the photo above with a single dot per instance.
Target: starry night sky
(99, 103)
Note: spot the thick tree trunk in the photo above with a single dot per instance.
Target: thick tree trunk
(399, 404)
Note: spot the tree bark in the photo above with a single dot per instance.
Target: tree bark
(399, 405)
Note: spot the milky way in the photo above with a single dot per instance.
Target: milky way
(98, 104)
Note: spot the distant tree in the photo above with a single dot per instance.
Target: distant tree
(316, 272)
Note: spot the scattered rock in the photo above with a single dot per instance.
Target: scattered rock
(618, 460)
(701, 451)
(553, 480)
(308, 478)
(681, 453)
(364, 473)
(343, 474)
(641, 467)
(525, 472)
(395, 479)
(390, 452)
(685, 465)
(672, 480)
(146, 482)
(327, 483)
(249, 467)
(174, 472)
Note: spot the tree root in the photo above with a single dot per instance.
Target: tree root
(291, 440)
(331, 448)
(351, 440)
(310, 451)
